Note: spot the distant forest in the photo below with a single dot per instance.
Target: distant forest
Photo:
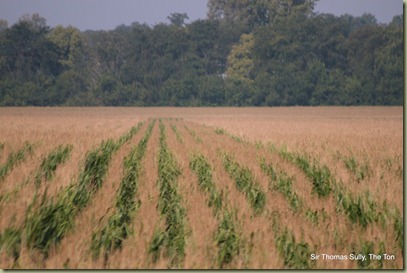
(245, 53)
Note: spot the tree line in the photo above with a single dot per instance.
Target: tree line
(245, 53)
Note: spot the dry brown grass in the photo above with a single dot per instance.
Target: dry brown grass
(372, 135)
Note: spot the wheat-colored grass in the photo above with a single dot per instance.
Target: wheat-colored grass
(373, 136)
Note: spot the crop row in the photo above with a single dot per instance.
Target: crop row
(117, 229)
(47, 223)
(14, 158)
(228, 239)
(172, 237)
(245, 182)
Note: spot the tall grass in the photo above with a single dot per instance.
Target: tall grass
(117, 229)
(15, 158)
(245, 182)
(172, 238)
(50, 163)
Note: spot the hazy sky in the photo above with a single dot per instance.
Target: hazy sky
(107, 14)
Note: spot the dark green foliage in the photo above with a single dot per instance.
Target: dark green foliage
(10, 242)
(14, 158)
(296, 57)
(50, 163)
(245, 182)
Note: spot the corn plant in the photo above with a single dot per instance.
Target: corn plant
(295, 255)
(360, 171)
(50, 163)
(203, 170)
(14, 158)
(10, 242)
(193, 134)
(117, 229)
(245, 182)
(320, 175)
(177, 135)
(46, 224)
(228, 239)
(283, 184)
(170, 207)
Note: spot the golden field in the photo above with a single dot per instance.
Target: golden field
(291, 183)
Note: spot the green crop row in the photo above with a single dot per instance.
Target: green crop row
(50, 163)
(203, 170)
(46, 224)
(228, 240)
(245, 182)
(14, 158)
(282, 183)
(295, 255)
(193, 134)
(172, 238)
(117, 229)
(320, 175)
(360, 209)
(177, 135)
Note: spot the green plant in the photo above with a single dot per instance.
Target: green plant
(170, 207)
(245, 182)
(46, 223)
(295, 255)
(203, 170)
(177, 134)
(14, 158)
(50, 163)
(193, 134)
(10, 242)
(228, 239)
(117, 229)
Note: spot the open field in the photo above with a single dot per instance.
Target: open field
(199, 188)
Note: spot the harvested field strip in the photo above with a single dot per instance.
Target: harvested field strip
(111, 236)
(170, 207)
(50, 163)
(14, 158)
(46, 224)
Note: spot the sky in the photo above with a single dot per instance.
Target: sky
(108, 14)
